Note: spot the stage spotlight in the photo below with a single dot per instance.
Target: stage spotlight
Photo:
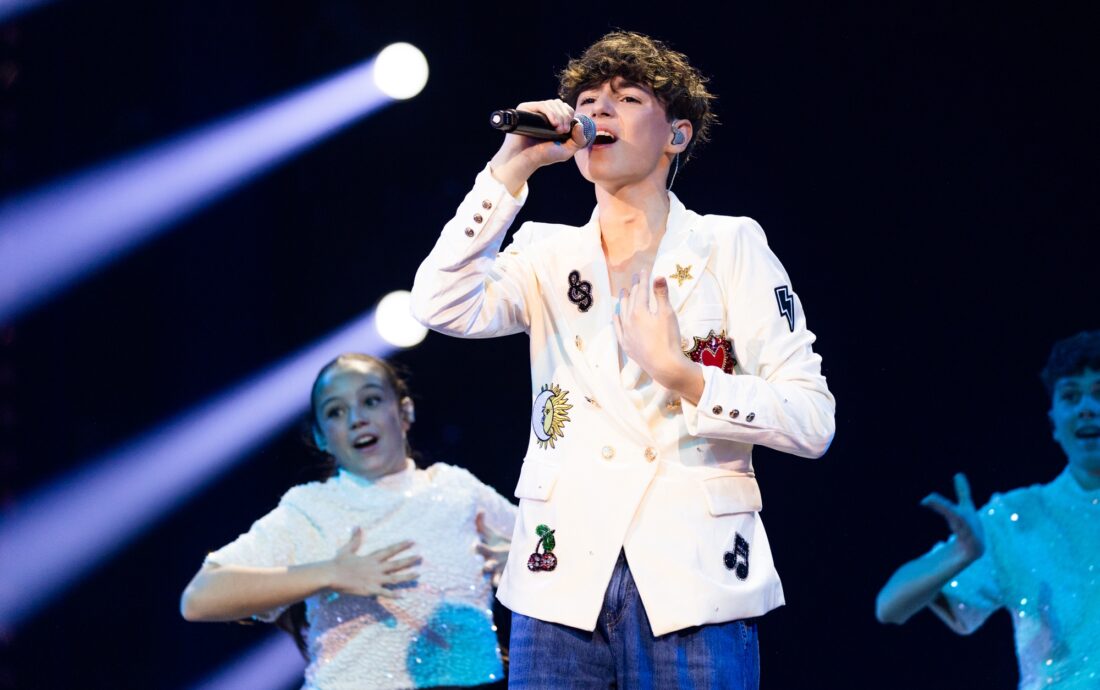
(51, 236)
(273, 664)
(400, 71)
(395, 322)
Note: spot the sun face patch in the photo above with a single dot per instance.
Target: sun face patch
(549, 414)
(713, 351)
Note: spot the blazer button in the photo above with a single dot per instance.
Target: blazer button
(469, 232)
(734, 414)
(579, 343)
(608, 452)
(717, 409)
(650, 455)
(486, 204)
(750, 416)
(478, 218)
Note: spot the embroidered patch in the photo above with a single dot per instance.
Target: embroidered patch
(786, 304)
(546, 560)
(549, 414)
(713, 351)
(738, 559)
(682, 274)
(580, 291)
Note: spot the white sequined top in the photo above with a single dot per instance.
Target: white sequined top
(1042, 564)
(440, 632)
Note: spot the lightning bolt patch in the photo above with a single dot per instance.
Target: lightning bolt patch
(786, 304)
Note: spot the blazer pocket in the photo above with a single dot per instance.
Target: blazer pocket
(702, 318)
(537, 480)
(731, 494)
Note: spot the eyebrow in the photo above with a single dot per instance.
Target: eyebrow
(623, 83)
(365, 386)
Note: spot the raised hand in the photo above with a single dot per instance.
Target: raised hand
(373, 574)
(961, 517)
(520, 156)
(651, 337)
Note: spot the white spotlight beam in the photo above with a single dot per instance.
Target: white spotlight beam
(52, 236)
(273, 664)
(58, 533)
(10, 9)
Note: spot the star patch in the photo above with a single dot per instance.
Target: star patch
(713, 351)
(682, 274)
(549, 414)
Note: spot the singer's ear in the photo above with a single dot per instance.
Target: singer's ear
(681, 135)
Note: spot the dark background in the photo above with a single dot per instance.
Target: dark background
(927, 173)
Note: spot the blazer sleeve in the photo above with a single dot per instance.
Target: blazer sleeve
(777, 396)
(467, 287)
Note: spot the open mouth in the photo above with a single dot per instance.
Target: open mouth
(364, 441)
(603, 137)
(1087, 432)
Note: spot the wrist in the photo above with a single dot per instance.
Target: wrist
(322, 575)
(681, 376)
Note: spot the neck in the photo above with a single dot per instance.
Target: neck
(632, 219)
(1088, 480)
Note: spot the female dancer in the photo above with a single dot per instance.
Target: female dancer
(377, 616)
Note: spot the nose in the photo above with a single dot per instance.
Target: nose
(602, 104)
(1090, 406)
(357, 417)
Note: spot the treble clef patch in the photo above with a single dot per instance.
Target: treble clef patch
(580, 291)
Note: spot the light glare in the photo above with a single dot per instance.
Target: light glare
(394, 320)
(400, 71)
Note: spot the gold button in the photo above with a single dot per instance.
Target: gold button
(478, 218)
(673, 404)
(486, 205)
(579, 343)
(734, 413)
(469, 232)
(717, 409)
(650, 455)
(750, 416)
(608, 452)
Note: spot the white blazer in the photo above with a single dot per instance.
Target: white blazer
(616, 461)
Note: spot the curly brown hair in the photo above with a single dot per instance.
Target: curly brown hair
(680, 88)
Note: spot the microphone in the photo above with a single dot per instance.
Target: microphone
(536, 126)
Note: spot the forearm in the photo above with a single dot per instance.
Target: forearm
(791, 416)
(917, 583)
(229, 593)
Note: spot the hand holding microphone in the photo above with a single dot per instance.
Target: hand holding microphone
(540, 133)
(530, 124)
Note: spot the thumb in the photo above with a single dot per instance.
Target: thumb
(354, 542)
(583, 132)
(660, 291)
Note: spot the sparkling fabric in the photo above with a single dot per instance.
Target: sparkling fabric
(1042, 564)
(441, 631)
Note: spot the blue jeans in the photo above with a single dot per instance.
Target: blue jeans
(622, 652)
